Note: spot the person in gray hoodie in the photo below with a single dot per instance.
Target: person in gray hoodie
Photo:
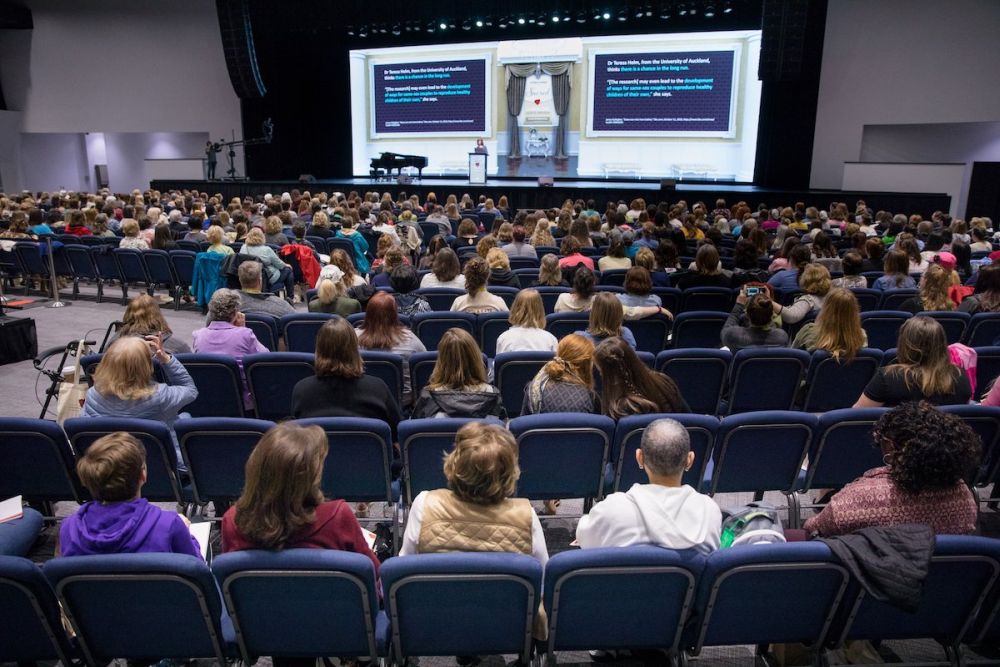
(665, 512)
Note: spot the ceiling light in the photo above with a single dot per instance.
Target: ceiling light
(443, 26)
(520, 20)
(555, 19)
(479, 23)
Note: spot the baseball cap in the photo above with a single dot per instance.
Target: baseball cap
(946, 260)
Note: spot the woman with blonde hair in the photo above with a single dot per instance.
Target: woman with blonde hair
(130, 228)
(565, 384)
(458, 386)
(500, 273)
(549, 273)
(923, 370)
(124, 385)
(342, 261)
(282, 505)
(272, 231)
(542, 236)
(477, 299)
(331, 296)
(142, 318)
(934, 286)
(606, 317)
(527, 326)
(837, 328)
(814, 281)
(486, 244)
(278, 273)
(216, 237)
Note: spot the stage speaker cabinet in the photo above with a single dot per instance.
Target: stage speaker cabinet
(404, 179)
(306, 179)
(237, 45)
(668, 184)
(783, 39)
(546, 181)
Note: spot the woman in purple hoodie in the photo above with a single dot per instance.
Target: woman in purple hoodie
(118, 521)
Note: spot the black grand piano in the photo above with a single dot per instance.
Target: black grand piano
(384, 164)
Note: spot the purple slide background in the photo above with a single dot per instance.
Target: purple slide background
(665, 114)
(447, 113)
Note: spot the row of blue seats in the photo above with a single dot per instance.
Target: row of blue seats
(561, 455)
(703, 376)
(308, 602)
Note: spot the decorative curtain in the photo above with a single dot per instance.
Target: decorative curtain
(515, 78)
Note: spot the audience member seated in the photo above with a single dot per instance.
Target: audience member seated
(638, 288)
(477, 299)
(434, 246)
(282, 505)
(928, 456)
(565, 384)
(666, 512)
(500, 273)
(130, 228)
(549, 273)
(118, 520)
(216, 237)
(278, 273)
(446, 271)
(629, 387)
(468, 235)
(787, 280)
(391, 260)
(707, 270)
(253, 300)
(457, 386)
(615, 257)
(340, 387)
(814, 281)
(142, 318)
(896, 272)
(404, 280)
(124, 385)
(320, 225)
(837, 328)
(194, 228)
(163, 239)
(348, 232)
(342, 261)
(527, 326)
(934, 285)
(986, 298)
(571, 255)
(922, 372)
(853, 265)
(273, 233)
(382, 331)
(582, 296)
(227, 334)
(606, 317)
(476, 512)
(759, 330)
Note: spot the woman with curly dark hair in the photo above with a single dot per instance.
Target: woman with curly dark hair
(928, 454)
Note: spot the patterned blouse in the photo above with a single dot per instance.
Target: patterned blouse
(875, 500)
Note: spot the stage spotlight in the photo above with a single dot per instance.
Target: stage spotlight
(581, 17)
(622, 16)
(431, 27)
(363, 32)
(350, 31)
(479, 23)
(396, 30)
(555, 19)
(383, 30)
(521, 21)
(709, 11)
(606, 15)
(466, 25)
(727, 9)
(639, 13)
(665, 13)
(649, 11)
(682, 11)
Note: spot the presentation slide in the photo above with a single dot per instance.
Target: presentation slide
(676, 93)
(429, 97)
(644, 106)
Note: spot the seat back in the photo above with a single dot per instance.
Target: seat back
(741, 588)
(523, 263)
(714, 299)
(562, 455)
(386, 366)
(440, 298)
(424, 444)
(893, 298)
(832, 384)
(182, 262)
(882, 327)
(490, 326)
(265, 328)
(868, 299)
(358, 462)
(561, 325)
(652, 587)
(987, 368)
(628, 435)
(614, 277)
(985, 421)
(430, 327)
(550, 295)
(983, 330)
(700, 374)
(219, 382)
(421, 367)
(216, 450)
(158, 268)
(189, 246)
(512, 371)
(119, 605)
(698, 329)
(300, 330)
(766, 378)
(162, 483)
(37, 461)
(953, 322)
(28, 255)
(462, 603)
(130, 264)
(650, 333)
(963, 570)
(32, 627)
(299, 602)
(842, 448)
(81, 261)
(761, 451)
(508, 294)
(271, 377)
